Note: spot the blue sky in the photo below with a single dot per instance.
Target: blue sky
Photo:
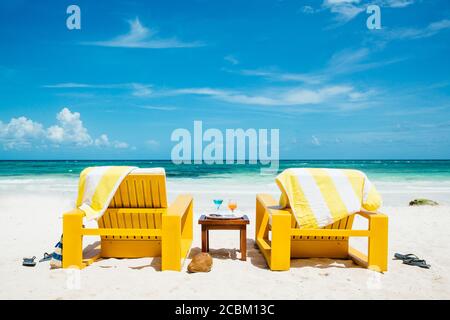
(137, 70)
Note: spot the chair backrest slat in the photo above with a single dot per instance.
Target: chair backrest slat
(345, 223)
(140, 190)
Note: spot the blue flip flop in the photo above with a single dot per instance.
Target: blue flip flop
(399, 256)
(29, 262)
(47, 257)
(417, 262)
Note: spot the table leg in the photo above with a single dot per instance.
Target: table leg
(207, 240)
(243, 243)
(204, 239)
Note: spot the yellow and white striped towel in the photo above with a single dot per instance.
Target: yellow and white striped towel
(97, 186)
(320, 197)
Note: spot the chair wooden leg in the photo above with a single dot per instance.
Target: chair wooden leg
(171, 243)
(281, 242)
(72, 250)
(378, 243)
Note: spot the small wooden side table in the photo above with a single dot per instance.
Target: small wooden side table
(225, 224)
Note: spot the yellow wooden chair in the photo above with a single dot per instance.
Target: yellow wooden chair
(138, 223)
(286, 241)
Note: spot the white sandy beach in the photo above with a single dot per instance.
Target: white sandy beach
(30, 215)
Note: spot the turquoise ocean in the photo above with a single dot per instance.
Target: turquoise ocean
(399, 181)
(387, 170)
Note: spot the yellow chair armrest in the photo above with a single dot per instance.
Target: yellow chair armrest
(371, 215)
(266, 200)
(75, 212)
(270, 204)
(180, 206)
(278, 212)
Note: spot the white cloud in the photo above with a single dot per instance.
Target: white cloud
(69, 130)
(416, 33)
(279, 97)
(318, 88)
(103, 141)
(343, 62)
(352, 61)
(281, 76)
(55, 134)
(21, 128)
(346, 10)
(69, 85)
(231, 59)
(265, 97)
(159, 108)
(75, 85)
(120, 145)
(336, 2)
(137, 89)
(141, 37)
(141, 90)
(19, 131)
(199, 91)
(399, 3)
(308, 9)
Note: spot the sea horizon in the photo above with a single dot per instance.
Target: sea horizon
(376, 169)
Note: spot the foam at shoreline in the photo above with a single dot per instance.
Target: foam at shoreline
(393, 192)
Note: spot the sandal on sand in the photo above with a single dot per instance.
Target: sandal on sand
(46, 257)
(399, 256)
(417, 262)
(29, 262)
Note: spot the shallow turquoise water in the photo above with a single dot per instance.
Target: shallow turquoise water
(387, 170)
